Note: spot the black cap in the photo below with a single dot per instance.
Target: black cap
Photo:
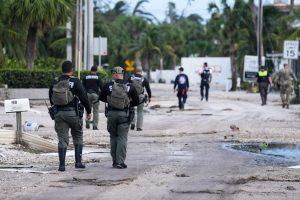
(94, 69)
(181, 69)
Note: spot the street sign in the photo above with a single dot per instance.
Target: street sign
(251, 67)
(16, 105)
(291, 49)
(129, 65)
(100, 46)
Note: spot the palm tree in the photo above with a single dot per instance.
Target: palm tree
(236, 25)
(38, 14)
(138, 11)
(146, 48)
(10, 37)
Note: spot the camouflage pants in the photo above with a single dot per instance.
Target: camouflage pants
(285, 93)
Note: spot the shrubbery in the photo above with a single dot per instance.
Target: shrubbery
(23, 78)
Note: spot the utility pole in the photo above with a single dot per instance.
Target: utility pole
(259, 32)
(69, 42)
(88, 34)
(78, 47)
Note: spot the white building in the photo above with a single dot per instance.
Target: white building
(220, 67)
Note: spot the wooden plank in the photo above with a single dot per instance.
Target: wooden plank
(30, 140)
(38, 143)
(7, 136)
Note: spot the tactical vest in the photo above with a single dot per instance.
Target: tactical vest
(118, 99)
(206, 75)
(62, 94)
(263, 74)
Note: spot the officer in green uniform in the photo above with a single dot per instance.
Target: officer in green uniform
(264, 80)
(68, 97)
(286, 78)
(121, 98)
(93, 84)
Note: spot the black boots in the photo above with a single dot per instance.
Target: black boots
(78, 156)
(132, 126)
(62, 156)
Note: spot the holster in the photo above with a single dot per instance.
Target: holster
(106, 111)
(79, 110)
(131, 114)
(52, 112)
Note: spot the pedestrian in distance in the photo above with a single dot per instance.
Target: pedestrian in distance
(206, 78)
(286, 82)
(93, 84)
(140, 83)
(121, 98)
(264, 80)
(182, 85)
(68, 99)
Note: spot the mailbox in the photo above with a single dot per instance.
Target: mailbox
(16, 105)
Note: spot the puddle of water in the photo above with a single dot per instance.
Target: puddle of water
(288, 151)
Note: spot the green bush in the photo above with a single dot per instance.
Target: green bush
(23, 78)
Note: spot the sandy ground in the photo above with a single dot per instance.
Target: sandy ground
(179, 155)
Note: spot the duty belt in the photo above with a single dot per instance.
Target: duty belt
(67, 108)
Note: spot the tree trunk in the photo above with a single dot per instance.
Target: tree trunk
(2, 56)
(74, 36)
(254, 15)
(233, 56)
(174, 62)
(146, 64)
(31, 46)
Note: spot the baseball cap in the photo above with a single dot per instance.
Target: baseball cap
(118, 70)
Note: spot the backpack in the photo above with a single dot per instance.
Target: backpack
(62, 94)
(118, 98)
(137, 83)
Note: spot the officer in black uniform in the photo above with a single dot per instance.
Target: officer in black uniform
(69, 116)
(264, 80)
(93, 84)
(205, 81)
(182, 85)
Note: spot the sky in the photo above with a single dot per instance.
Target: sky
(159, 7)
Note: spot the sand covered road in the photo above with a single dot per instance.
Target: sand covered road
(179, 155)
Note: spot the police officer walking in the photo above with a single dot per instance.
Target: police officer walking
(182, 85)
(206, 78)
(264, 80)
(139, 82)
(93, 84)
(120, 98)
(67, 95)
(286, 78)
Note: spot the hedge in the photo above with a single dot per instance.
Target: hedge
(22, 78)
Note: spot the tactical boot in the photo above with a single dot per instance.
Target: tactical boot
(78, 156)
(287, 106)
(95, 128)
(87, 126)
(62, 157)
(283, 105)
(139, 129)
(132, 126)
(120, 166)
